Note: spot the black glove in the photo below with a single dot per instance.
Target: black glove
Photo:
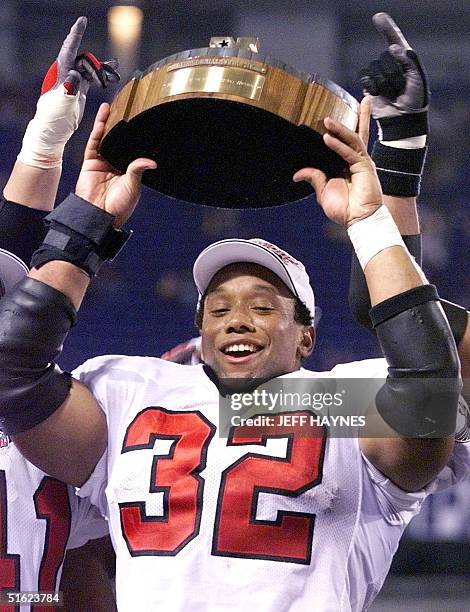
(400, 94)
(398, 85)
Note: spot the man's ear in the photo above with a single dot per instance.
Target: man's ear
(307, 342)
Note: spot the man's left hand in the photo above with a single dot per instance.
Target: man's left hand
(358, 195)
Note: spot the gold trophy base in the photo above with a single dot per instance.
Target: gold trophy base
(226, 127)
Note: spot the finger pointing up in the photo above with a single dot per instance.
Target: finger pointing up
(388, 28)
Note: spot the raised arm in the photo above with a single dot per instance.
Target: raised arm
(35, 177)
(41, 407)
(413, 333)
(32, 186)
(398, 84)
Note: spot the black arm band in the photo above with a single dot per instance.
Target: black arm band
(82, 234)
(359, 300)
(21, 229)
(401, 303)
(399, 170)
(34, 321)
(420, 396)
(404, 126)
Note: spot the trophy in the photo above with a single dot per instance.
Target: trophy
(227, 126)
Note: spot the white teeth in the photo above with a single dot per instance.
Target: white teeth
(238, 348)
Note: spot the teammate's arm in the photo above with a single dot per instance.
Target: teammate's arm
(87, 577)
(400, 93)
(396, 287)
(31, 189)
(32, 186)
(65, 414)
(35, 176)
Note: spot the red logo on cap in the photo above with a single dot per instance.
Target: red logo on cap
(279, 252)
(4, 440)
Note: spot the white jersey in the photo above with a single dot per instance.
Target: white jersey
(200, 522)
(40, 518)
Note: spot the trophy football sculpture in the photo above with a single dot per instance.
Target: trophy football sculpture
(227, 126)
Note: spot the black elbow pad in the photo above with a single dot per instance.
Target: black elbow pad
(420, 396)
(34, 321)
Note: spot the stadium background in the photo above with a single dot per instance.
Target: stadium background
(144, 302)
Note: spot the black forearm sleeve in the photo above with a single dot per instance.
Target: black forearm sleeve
(420, 395)
(21, 229)
(34, 321)
(81, 234)
(359, 300)
(358, 296)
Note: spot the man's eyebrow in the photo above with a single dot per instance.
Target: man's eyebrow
(215, 290)
(267, 288)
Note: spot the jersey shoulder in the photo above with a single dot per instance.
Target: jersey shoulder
(130, 368)
(118, 380)
(366, 368)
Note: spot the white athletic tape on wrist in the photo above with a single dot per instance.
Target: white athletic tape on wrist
(374, 234)
(56, 119)
(413, 142)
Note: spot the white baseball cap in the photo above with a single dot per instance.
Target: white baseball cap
(258, 251)
(12, 270)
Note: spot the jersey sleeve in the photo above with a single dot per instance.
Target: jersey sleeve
(397, 506)
(88, 525)
(456, 470)
(391, 498)
(112, 381)
(94, 488)
(92, 374)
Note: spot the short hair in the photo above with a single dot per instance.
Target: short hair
(302, 314)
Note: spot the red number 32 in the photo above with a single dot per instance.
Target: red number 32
(237, 531)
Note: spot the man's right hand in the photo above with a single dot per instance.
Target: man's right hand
(102, 185)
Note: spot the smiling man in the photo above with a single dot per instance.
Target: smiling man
(272, 331)
(286, 521)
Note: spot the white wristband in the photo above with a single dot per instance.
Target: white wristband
(374, 234)
(56, 119)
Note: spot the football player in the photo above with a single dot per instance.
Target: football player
(43, 521)
(398, 85)
(203, 522)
